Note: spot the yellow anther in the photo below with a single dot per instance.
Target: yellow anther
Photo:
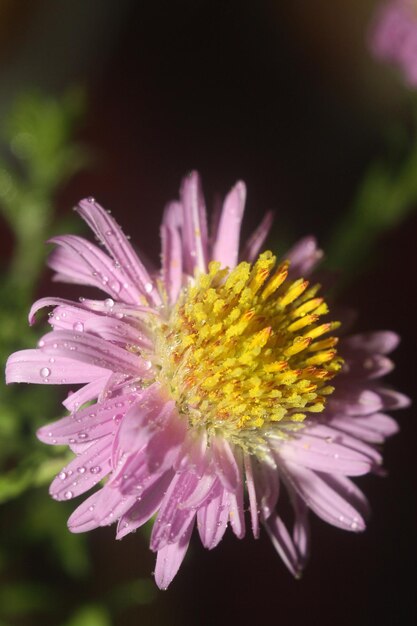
(276, 280)
(293, 292)
(306, 307)
(300, 344)
(307, 320)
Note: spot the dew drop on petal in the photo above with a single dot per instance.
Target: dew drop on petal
(82, 435)
(81, 470)
(91, 199)
(115, 286)
(62, 475)
(41, 343)
(95, 470)
(109, 303)
(78, 327)
(68, 495)
(45, 372)
(148, 287)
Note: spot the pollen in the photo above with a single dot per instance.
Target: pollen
(245, 351)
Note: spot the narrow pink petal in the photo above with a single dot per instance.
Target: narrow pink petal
(80, 261)
(148, 416)
(236, 512)
(373, 428)
(36, 366)
(325, 501)
(256, 240)
(253, 503)
(225, 463)
(83, 519)
(148, 502)
(83, 472)
(283, 544)
(47, 302)
(301, 529)
(89, 392)
(170, 557)
(194, 224)
(391, 399)
(361, 367)
(326, 434)
(212, 519)
(172, 521)
(163, 445)
(91, 350)
(202, 491)
(350, 492)
(90, 423)
(171, 262)
(267, 487)
(79, 319)
(353, 400)
(193, 455)
(377, 342)
(112, 237)
(303, 257)
(226, 245)
(325, 455)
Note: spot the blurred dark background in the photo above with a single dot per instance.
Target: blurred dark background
(285, 96)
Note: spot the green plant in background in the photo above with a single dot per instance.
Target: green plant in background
(37, 156)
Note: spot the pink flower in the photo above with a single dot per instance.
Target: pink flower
(393, 37)
(207, 386)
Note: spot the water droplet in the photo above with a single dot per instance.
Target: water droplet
(62, 475)
(109, 303)
(95, 470)
(81, 470)
(82, 435)
(68, 495)
(91, 199)
(148, 287)
(45, 372)
(115, 286)
(78, 327)
(52, 360)
(41, 343)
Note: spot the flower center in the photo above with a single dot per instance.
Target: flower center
(243, 351)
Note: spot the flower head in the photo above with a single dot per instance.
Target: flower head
(393, 37)
(207, 385)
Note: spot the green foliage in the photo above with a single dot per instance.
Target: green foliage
(386, 196)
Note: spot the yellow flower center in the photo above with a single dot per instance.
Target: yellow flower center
(243, 352)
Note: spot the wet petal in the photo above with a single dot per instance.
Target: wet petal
(226, 244)
(170, 557)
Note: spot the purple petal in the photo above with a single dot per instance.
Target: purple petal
(358, 367)
(147, 505)
(117, 244)
(226, 245)
(212, 519)
(267, 487)
(325, 455)
(373, 428)
(283, 544)
(193, 455)
(78, 260)
(171, 262)
(353, 400)
(325, 501)
(225, 463)
(83, 472)
(94, 351)
(36, 366)
(256, 240)
(303, 257)
(89, 392)
(172, 520)
(146, 418)
(253, 503)
(194, 225)
(83, 519)
(391, 399)
(301, 529)
(170, 557)
(90, 423)
(378, 342)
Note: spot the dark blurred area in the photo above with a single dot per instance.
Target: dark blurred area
(285, 96)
